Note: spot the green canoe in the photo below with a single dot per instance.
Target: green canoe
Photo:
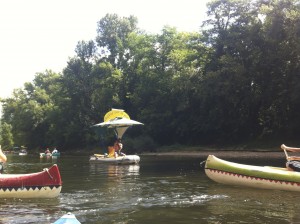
(266, 177)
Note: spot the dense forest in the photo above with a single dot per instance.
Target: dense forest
(236, 80)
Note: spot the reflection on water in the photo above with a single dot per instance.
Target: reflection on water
(159, 190)
(114, 170)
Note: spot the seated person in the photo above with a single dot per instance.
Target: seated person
(118, 147)
(293, 162)
(54, 151)
(115, 150)
(111, 152)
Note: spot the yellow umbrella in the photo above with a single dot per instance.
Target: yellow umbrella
(118, 120)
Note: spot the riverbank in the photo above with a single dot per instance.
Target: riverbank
(222, 154)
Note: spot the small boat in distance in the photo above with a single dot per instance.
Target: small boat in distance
(47, 154)
(119, 121)
(23, 152)
(265, 177)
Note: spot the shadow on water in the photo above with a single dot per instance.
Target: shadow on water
(159, 190)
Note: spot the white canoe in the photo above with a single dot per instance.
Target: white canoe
(45, 155)
(128, 159)
(22, 153)
(265, 177)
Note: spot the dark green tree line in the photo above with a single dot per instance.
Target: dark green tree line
(236, 80)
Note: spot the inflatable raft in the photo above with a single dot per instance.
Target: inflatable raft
(127, 159)
(119, 121)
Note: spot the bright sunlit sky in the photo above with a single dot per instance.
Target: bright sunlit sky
(42, 34)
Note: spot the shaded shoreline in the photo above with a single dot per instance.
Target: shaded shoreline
(221, 154)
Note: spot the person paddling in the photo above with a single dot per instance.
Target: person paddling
(293, 162)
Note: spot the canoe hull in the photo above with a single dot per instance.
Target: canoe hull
(44, 192)
(68, 218)
(45, 155)
(264, 177)
(23, 154)
(128, 159)
(44, 184)
(49, 155)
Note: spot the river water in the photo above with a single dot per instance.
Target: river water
(159, 190)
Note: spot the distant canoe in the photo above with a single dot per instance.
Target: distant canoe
(23, 153)
(265, 177)
(45, 155)
(44, 184)
(49, 155)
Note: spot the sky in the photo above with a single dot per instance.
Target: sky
(37, 35)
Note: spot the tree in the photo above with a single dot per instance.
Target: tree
(29, 110)
(86, 50)
(279, 68)
(233, 28)
(112, 34)
(6, 136)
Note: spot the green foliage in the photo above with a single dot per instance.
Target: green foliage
(139, 145)
(236, 80)
(6, 140)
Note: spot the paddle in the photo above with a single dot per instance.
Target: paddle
(99, 155)
(291, 149)
(285, 152)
